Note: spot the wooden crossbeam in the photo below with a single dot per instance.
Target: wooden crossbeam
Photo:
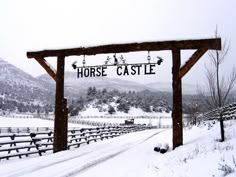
(50, 70)
(192, 60)
(214, 44)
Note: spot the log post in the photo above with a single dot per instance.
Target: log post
(177, 100)
(65, 124)
(60, 122)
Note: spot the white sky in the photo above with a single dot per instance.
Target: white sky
(28, 25)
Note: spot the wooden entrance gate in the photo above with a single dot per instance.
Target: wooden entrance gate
(178, 71)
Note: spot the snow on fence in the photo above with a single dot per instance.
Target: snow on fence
(19, 116)
(123, 117)
(24, 129)
(229, 112)
(51, 116)
(24, 144)
(21, 144)
(92, 123)
(159, 121)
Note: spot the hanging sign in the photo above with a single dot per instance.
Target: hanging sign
(122, 68)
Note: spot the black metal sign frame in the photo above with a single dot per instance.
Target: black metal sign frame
(123, 68)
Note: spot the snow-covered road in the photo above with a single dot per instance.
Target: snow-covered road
(133, 155)
(115, 155)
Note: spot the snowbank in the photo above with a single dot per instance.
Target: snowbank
(91, 111)
(202, 153)
(28, 122)
(133, 155)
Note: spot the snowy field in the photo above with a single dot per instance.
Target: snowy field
(35, 122)
(91, 111)
(30, 122)
(147, 121)
(132, 155)
(152, 118)
(93, 115)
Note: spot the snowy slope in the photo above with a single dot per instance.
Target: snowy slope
(132, 155)
(167, 87)
(20, 90)
(30, 122)
(79, 85)
(91, 110)
(14, 76)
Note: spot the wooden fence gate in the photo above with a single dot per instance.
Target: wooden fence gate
(178, 71)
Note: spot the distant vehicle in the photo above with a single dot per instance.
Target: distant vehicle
(129, 122)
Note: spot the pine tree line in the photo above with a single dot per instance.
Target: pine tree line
(146, 100)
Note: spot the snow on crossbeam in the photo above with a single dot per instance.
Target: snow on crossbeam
(129, 47)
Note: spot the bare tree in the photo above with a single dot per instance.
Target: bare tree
(219, 86)
(193, 110)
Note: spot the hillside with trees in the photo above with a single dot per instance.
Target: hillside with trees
(114, 100)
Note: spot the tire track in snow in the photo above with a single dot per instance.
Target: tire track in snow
(153, 135)
(103, 159)
(92, 164)
(42, 166)
(86, 163)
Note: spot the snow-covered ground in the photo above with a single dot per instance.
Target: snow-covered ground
(147, 121)
(141, 117)
(92, 114)
(30, 122)
(91, 111)
(133, 155)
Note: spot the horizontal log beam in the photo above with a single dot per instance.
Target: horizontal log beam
(214, 44)
(192, 60)
(50, 70)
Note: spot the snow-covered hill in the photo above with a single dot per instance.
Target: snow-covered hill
(14, 76)
(133, 155)
(74, 84)
(187, 89)
(77, 85)
(20, 90)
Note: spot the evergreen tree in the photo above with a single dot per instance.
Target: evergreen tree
(111, 109)
(123, 106)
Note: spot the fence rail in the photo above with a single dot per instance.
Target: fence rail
(228, 112)
(51, 116)
(85, 120)
(8, 130)
(23, 144)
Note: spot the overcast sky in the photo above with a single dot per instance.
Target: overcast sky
(30, 25)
